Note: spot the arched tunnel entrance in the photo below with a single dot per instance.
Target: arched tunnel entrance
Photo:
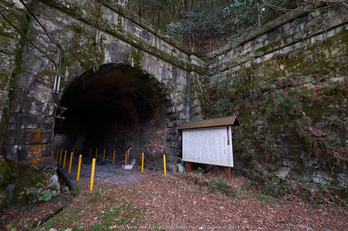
(114, 108)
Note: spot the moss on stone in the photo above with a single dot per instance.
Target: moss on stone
(5, 171)
(30, 100)
(137, 57)
(3, 197)
(269, 106)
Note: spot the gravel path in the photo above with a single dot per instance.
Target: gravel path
(105, 172)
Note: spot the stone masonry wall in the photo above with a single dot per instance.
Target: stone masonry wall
(298, 29)
(9, 54)
(307, 47)
(90, 35)
(288, 87)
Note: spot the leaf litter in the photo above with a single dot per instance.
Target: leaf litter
(188, 201)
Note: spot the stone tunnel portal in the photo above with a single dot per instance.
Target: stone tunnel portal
(114, 108)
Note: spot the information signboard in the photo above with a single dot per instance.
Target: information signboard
(211, 145)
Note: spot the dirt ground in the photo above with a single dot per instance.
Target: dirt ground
(133, 200)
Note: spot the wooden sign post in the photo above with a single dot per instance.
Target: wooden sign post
(209, 142)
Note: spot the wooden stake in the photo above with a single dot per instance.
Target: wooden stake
(228, 172)
(188, 166)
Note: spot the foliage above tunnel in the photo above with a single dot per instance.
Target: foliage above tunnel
(205, 25)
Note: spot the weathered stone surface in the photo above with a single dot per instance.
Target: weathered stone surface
(133, 87)
(4, 172)
(145, 110)
(300, 51)
(3, 197)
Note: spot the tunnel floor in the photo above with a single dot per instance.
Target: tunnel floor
(105, 172)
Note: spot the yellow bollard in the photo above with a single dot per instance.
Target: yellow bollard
(164, 165)
(64, 159)
(79, 168)
(60, 157)
(104, 155)
(71, 156)
(92, 175)
(96, 153)
(90, 152)
(57, 155)
(125, 160)
(113, 158)
(142, 162)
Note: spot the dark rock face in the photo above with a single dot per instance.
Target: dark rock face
(4, 179)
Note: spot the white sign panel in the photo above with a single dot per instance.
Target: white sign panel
(208, 146)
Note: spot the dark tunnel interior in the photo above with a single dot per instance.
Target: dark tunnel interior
(114, 108)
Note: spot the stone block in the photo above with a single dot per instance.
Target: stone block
(195, 103)
(36, 137)
(172, 124)
(7, 63)
(178, 101)
(11, 137)
(34, 107)
(172, 138)
(40, 92)
(10, 152)
(342, 180)
(322, 178)
(197, 110)
(127, 166)
(197, 117)
(173, 131)
(176, 145)
(13, 120)
(34, 152)
(170, 110)
(170, 96)
(29, 122)
(180, 107)
(181, 88)
(182, 116)
(169, 152)
(286, 49)
(173, 117)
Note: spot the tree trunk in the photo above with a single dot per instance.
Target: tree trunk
(139, 9)
(158, 19)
